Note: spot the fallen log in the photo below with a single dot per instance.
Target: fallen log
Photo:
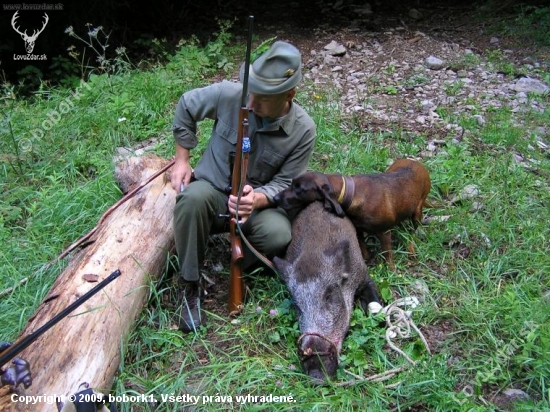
(86, 346)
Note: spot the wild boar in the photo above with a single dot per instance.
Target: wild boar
(324, 272)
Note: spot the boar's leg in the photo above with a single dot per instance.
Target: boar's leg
(367, 293)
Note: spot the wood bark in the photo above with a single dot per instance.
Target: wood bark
(86, 346)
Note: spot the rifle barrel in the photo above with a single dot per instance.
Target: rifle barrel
(25, 342)
(247, 60)
(238, 179)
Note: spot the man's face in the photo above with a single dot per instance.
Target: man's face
(270, 105)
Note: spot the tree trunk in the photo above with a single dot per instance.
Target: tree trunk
(86, 345)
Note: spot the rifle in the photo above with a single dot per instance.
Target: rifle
(238, 180)
(20, 371)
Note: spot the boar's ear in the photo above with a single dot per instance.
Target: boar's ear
(345, 256)
(331, 203)
(282, 266)
(340, 254)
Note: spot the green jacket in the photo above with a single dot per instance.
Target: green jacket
(279, 151)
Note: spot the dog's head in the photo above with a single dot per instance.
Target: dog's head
(308, 188)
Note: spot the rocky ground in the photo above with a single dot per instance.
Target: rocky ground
(395, 67)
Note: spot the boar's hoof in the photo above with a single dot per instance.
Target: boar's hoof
(318, 356)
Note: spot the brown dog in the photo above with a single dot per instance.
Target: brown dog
(375, 203)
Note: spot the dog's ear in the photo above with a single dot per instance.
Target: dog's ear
(331, 203)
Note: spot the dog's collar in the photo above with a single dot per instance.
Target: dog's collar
(347, 192)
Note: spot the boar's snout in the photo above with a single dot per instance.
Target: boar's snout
(318, 356)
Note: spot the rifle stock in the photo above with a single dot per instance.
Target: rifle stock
(236, 283)
(238, 180)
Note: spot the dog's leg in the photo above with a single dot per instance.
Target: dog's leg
(364, 250)
(415, 221)
(385, 245)
(411, 248)
(417, 215)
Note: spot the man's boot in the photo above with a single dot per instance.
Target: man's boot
(190, 314)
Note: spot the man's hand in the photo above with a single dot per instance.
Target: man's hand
(246, 203)
(182, 170)
(250, 201)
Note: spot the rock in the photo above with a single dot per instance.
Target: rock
(432, 147)
(515, 394)
(542, 131)
(365, 10)
(415, 14)
(542, 144)
(480, 120)
(428, 106)
(434, 63)
(421, 288)
(530, 85)
(494, 40)
(335, 49)
(477, 206)
(436, 219)
(469, 192)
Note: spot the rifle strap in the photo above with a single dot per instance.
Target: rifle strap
(256, 253)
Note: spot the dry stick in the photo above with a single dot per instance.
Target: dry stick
(9, 290)
(374, 378)
(87, 236)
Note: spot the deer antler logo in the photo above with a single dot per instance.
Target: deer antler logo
(29, 40)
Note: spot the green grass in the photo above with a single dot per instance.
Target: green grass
(486, 268)
(521, 23)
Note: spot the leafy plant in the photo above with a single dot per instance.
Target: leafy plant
(390, 89)
(528, 22)
(415, 80)
(500, 63)
(97, 41)
(452, 88)
(261, 48)
(467, 61)
(364, 340)
(191, 57)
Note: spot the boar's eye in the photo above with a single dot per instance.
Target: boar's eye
(330, 294)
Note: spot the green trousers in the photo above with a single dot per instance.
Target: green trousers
(196, 217)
